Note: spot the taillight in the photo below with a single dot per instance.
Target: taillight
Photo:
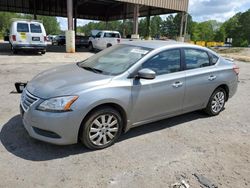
(45, 38)
(14, 37)
(236, 69)
(118, 40)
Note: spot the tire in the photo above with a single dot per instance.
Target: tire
(43, 52)
(216, 102)
(106, 124)
(90, 47)
(14, 51)
(109, 45)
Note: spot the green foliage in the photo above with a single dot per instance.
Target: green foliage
(50, 24)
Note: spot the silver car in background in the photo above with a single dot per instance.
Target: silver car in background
(125, 86)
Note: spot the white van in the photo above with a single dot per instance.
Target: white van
(27, 35)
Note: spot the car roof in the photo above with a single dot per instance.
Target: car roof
(106, 31)
(154, 44)
(24, 21)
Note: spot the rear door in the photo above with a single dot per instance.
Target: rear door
(201, 78)
(36, 34)
(22, 33)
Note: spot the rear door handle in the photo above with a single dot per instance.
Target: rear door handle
(212, 77)
(177, 84)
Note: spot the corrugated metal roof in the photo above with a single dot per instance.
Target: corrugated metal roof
(180, 5)
(105, 10)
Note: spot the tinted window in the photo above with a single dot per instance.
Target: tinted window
(111, 35)
(165, 62)
(213, 59)
(35, 28)
(98, 35)
(196, 58)
(22, 27)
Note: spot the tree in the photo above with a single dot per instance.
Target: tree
(155, 24)
(169, 28)
(50, 24)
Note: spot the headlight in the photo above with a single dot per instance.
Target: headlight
(58, 104)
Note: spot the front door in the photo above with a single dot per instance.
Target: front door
(162, 96)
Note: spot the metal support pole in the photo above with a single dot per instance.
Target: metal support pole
(135, 21)
(181, 28)
(185, 26)
(70, 14)
(35, 16)
(148, 24)
(70, 33)
(75, 17)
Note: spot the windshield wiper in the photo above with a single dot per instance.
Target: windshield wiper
(92, 69)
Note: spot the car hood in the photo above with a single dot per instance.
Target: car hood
(65, 80)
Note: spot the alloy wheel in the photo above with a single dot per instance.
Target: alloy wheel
(103, 129)
(218, 102)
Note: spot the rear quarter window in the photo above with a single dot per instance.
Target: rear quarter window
(22, 27)
(35, 28)
(213, 59)
(111, 35)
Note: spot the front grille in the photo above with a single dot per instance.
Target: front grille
(27, 100)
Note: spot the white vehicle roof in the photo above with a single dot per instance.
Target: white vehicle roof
(106, 31)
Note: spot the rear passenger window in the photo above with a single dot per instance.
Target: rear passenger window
(35, 28)
(22, 27)
(111, 35)
(196, 59)
(165, 62)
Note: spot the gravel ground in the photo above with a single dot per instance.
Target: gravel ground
(153, 155)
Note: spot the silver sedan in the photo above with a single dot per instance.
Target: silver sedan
(125, 86)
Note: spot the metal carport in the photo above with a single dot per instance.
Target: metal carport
(105, 10)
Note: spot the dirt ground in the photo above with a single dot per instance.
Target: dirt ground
(154, 155)
(240, 54)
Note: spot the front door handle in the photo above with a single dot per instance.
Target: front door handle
(212, 77)
(177, 84)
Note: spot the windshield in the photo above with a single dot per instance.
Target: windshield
(114, 60)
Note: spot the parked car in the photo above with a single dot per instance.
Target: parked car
(27, 35)
(125, 86)
(81, 41)
(104, 39)
(51, 37)
(59, 40)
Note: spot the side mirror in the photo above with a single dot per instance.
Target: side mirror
(146, 74)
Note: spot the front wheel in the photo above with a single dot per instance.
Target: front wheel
(102, 128)
(216, 102)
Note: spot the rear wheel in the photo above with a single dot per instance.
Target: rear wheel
(14, 51)
(43, 52)
(91, 48)
(102, 128)
(216, 102)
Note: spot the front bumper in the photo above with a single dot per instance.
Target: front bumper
(55, 128)
(29, 46)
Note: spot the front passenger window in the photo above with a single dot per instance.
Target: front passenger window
(196, 59)
(165, 62)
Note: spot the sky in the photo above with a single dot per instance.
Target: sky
(200, 10)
